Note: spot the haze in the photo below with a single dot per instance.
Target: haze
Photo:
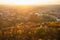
(29, 2)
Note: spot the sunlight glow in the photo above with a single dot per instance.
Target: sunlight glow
(29, 2)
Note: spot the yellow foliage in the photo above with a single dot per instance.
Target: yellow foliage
(19, 31)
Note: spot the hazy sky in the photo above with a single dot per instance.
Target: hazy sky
(30, 2)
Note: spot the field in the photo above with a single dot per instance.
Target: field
(30, 22)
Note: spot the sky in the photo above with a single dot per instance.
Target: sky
(29, 2)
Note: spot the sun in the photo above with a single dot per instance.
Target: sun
(28, 2)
